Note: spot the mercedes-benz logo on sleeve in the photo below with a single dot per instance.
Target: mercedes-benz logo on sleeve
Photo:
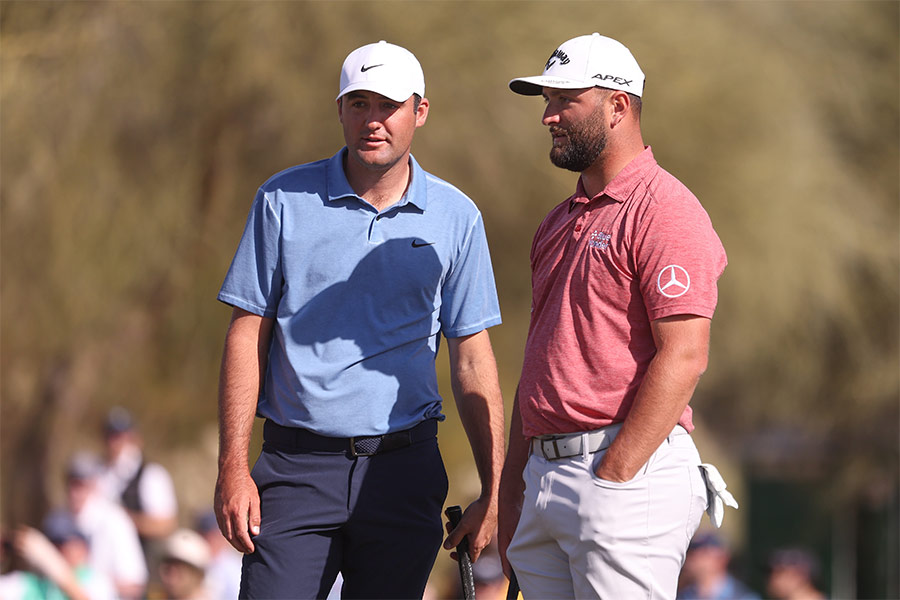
(673, 281)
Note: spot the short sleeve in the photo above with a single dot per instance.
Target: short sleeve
(254, 279)
(678, 258)
(469, 301)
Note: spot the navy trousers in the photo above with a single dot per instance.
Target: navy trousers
(376, 519)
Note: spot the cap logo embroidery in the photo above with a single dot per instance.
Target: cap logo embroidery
(617, 80)
(562, 56)
(364, 68)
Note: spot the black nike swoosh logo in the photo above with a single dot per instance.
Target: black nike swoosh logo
(364, 68)
(416, 244)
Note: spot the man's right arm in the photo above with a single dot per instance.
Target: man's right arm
(512, 486)
(243, 368)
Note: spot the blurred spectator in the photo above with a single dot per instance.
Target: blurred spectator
(705, 573)
(11, 574)
(40, 570)
(223, 574)
(185, 559)
(55, 565)
(144, 488)
(113, 540)
(63, 533)
(793, 574)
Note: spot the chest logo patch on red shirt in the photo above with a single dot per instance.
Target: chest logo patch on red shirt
(599, 240)
(673, 281)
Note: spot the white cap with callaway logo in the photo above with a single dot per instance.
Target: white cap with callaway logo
(385, 69)
(583, 62)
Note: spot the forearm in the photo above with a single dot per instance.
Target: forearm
(511, 483)
(476, 390)
(243, 367)
(665, 391)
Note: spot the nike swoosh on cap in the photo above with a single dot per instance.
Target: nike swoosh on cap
(364, 68)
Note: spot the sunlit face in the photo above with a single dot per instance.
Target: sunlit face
(75, 551)
(116, 443)
(377, 130)
(578, 127)
(705, 562)
(77, 493)
(179, 579)
(783, 581)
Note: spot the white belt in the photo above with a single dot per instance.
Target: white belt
(553, 447)
(556, 446)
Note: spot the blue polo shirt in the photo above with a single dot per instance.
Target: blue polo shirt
(359, 297)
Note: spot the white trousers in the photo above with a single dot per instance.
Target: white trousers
(583, 537)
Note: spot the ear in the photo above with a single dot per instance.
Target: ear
(340, 107)
(621, 107)
(422, 112)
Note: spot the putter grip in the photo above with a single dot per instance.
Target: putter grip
(454, 514)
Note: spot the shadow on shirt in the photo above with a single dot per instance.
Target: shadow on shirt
(374, 338)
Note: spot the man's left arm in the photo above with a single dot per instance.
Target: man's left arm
(682, 350)
(476, 388)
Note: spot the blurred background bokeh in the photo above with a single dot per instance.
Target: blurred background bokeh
(133, 136)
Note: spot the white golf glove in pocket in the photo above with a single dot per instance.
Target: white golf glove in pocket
(716, 493)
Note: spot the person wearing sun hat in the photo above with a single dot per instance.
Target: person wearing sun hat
(349, 272)
(184, 557)
(602, 486)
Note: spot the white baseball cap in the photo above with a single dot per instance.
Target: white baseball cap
(385, 69)
(583, 62)
(187, 546)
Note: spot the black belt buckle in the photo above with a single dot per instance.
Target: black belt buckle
(381, 443)
(376, 440)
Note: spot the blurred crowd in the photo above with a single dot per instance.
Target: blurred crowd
(791, 573)
(117, 537)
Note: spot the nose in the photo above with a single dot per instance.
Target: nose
(373, 120)
(551, 116)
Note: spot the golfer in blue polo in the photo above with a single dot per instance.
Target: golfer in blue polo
(349, 272)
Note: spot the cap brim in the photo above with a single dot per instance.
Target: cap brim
(394, 94)
(534, 86)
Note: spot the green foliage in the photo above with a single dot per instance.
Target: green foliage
(135, 134)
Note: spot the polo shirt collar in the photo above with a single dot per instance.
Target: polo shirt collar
(624, 183)
(339, 187)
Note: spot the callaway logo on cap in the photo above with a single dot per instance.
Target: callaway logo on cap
(385, 69)
(583, 62)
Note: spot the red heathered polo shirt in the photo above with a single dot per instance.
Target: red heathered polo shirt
(602, 269)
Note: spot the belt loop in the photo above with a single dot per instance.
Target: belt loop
(585, 446)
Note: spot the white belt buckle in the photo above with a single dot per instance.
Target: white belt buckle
(554, 452)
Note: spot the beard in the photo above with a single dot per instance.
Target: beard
(585, 141)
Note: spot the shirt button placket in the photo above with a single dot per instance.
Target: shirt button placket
(375, 235)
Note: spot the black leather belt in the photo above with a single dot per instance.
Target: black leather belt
(362, 445)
